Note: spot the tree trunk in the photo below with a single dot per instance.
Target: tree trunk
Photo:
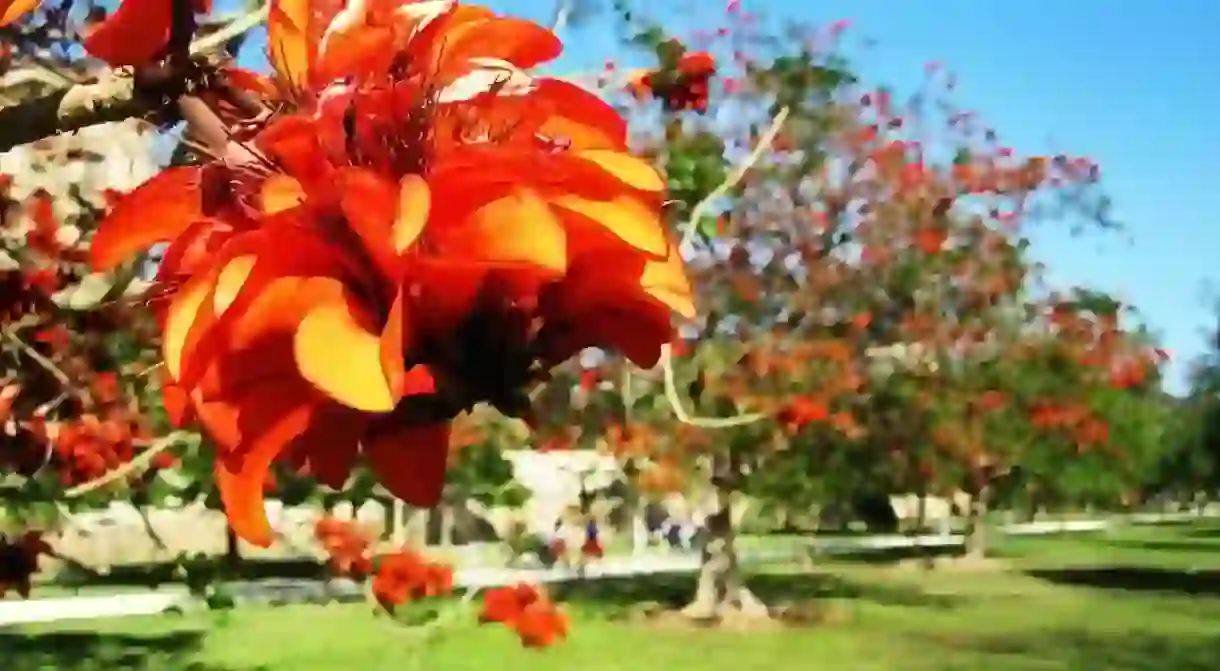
(396, 522)
(415, 527)
(976, 527)
(639, 528)
(232, 556)
(721, 588)
(447, 523)
(924, 553)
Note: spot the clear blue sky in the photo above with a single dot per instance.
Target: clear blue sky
(1133, 85)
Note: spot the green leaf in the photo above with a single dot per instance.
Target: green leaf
(708, 228)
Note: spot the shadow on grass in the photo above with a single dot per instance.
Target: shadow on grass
(1118, 651)
(1136, 579)
(1205, 532)
(1168, 546)
(88, 651)
(671, 592)
(156, 574)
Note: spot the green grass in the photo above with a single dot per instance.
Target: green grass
(1138, 599)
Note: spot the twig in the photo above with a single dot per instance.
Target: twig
(238, 26)
(563, 11)
(675, 401)
(688, 231)
(47, 364)
(141, 462)
(732, 179)
(150, 530)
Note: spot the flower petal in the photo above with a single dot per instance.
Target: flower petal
(393, 345)
(666, 281)
(410, 461)
(414, 202)
(633, 221)
(485, 76)
(133, 35)
(519, 228)
(371, 205)
(522, 43)
(632, 171)
(353, 43)
(306, 429)
(183, 312)
(288, 45)
(280, 252)
(336, 352)
(579, 116)
(157, 210)
(294, 143)
(11, 10)
(637, 329)
(176, 401)
(280, 193)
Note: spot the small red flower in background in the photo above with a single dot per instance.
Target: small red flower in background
(538, 621)
(803, 411)
(19, 561)
(684, 88)
(589, 379)
(349, 550)
(593, 548)
(398, 577)
(405, 575)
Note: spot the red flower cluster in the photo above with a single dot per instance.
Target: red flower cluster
(348, 549)
(405, 575)
(538, 621)
(398, 577)
(684, 88)
(65, 409)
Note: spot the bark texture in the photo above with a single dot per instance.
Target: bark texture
(976, 531)
(113, 97)
(721, 589)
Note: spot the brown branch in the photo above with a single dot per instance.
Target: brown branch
(113, 97)
(117, 95)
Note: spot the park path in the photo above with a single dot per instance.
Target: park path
(176, 597)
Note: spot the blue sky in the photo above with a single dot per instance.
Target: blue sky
(1132, 85)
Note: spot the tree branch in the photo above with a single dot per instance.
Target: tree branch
(114, 97)
(688, 231)
(117, 95)
(139, 464)
(563, 11)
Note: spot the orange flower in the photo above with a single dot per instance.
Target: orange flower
(429, 237)
(405, 575)
(505, 604)
(802, 411)
(536, 619)
(684, 88)
(348, 549)
(541, 625)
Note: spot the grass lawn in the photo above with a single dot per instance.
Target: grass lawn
(1138, 599)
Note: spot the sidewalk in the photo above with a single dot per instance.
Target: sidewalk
(176, 597)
